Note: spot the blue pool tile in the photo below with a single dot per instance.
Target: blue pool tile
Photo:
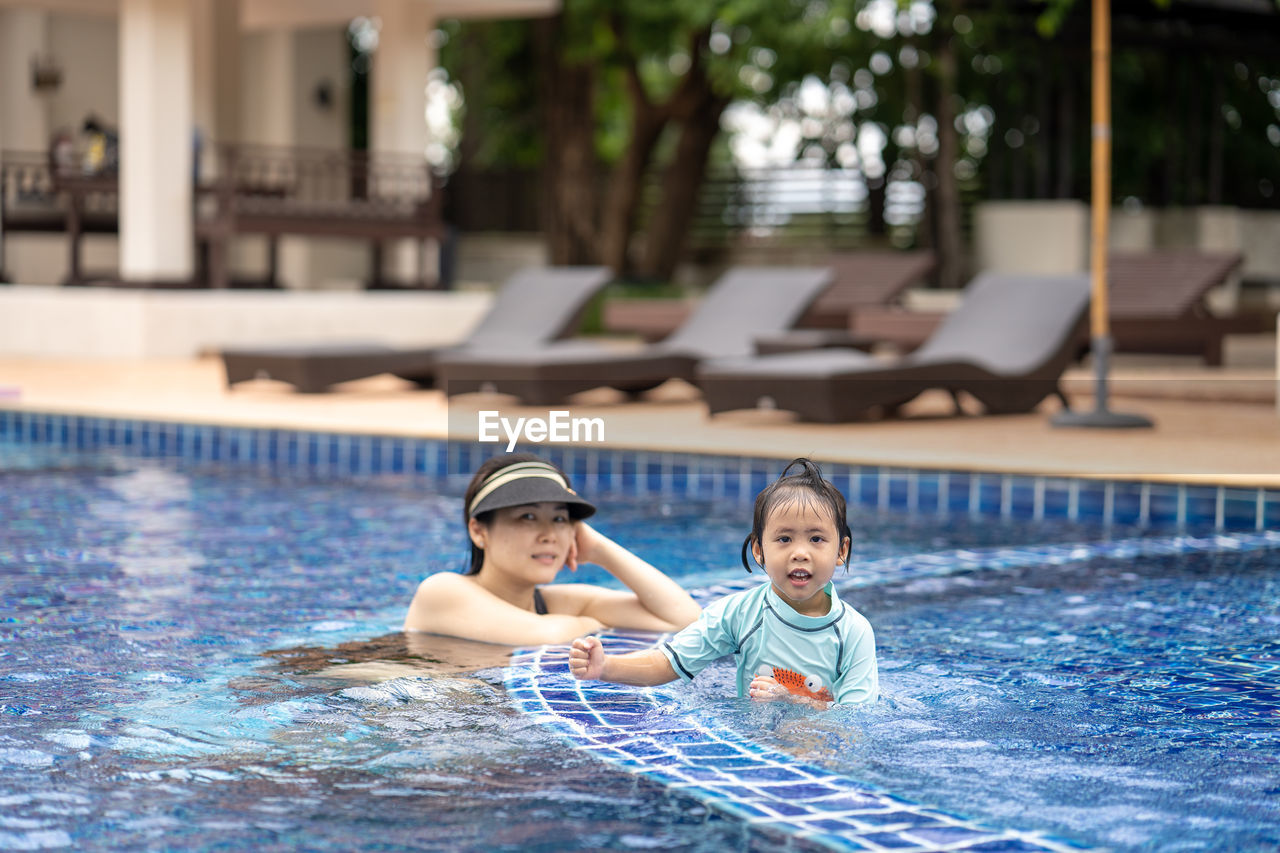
(710, 750)
(832, 825)
(784, 808)
(985, 494)
(679, 480)
(1240, 509)
(1127, 503)
(844, 801)
(1163, 504)
(951, 835)
(1022, 498)
(774, 774)
(1091, 499)
(1201, 503)
(889, 840)
(957, 493)
(1006, 845)
(1058, 497)
(868, 493)
(928, 490)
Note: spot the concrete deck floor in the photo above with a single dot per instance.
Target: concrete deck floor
(1211, 425)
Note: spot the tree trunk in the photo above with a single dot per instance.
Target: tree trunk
(949, 246)
(569, 170)
(627, 183)
(1066, 129)
(1216, 137)
(669, 227)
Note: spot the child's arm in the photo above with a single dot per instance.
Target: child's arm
(587, 661)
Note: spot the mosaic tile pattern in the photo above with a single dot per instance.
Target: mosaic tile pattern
(675, 475)
(625, 726)
(767, 789)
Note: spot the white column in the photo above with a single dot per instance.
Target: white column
(398, 78)
(217, 76)
(156, 115)
(24, 114)
(398, 101)
(278, 85)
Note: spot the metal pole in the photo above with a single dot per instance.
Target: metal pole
(1099, 313)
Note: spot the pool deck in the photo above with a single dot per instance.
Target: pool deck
(1212, 425)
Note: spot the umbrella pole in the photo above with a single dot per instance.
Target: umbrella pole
(1099, 310)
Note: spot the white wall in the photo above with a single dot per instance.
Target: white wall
(321, 56)
(89, 49)
(108, 323)
(1042, 237)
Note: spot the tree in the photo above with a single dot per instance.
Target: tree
(664, 70)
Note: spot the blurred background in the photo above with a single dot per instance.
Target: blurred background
(665, 139)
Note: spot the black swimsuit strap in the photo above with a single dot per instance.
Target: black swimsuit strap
(539, 606)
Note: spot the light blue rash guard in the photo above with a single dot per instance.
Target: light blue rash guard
(836, 651)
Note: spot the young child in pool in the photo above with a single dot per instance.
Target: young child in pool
(793, 637)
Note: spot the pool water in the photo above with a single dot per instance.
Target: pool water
(195, 658)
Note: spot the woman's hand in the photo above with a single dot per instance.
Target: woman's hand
(586, 659)
(586, 546)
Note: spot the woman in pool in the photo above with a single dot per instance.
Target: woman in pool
(794, 638)
(525, 523)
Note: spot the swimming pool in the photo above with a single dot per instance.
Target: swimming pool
(202, 653)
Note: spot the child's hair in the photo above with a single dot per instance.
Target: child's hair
(486, 470)
(806, 486)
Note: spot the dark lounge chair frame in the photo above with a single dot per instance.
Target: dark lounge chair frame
(1006, 345)
(534, 307)
(1157, 305)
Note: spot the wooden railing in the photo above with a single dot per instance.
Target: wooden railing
(253, 190)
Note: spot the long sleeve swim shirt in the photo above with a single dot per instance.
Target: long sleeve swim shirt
(831, 657)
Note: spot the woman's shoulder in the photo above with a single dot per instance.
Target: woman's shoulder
(444, 585)
(437, 594)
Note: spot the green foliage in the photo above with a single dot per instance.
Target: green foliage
(500, 106)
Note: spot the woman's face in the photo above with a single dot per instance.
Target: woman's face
(531, 541)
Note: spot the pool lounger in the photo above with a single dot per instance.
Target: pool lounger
(745, 303)
(534, 307)
(1007, 344)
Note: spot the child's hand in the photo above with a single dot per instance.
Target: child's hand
(586, 659)
(767, 689)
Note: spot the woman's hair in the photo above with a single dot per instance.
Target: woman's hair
(805, 486)
(489, 467)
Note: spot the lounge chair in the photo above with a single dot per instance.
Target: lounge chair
(743, 304)
(862, 279)
(534, 307)
(1156, 300)
(1006, 344)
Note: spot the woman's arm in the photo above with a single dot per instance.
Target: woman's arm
(654, 603)
(449, 604)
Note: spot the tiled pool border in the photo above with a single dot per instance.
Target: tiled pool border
(673, 474)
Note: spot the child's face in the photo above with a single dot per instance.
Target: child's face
(800, 551)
